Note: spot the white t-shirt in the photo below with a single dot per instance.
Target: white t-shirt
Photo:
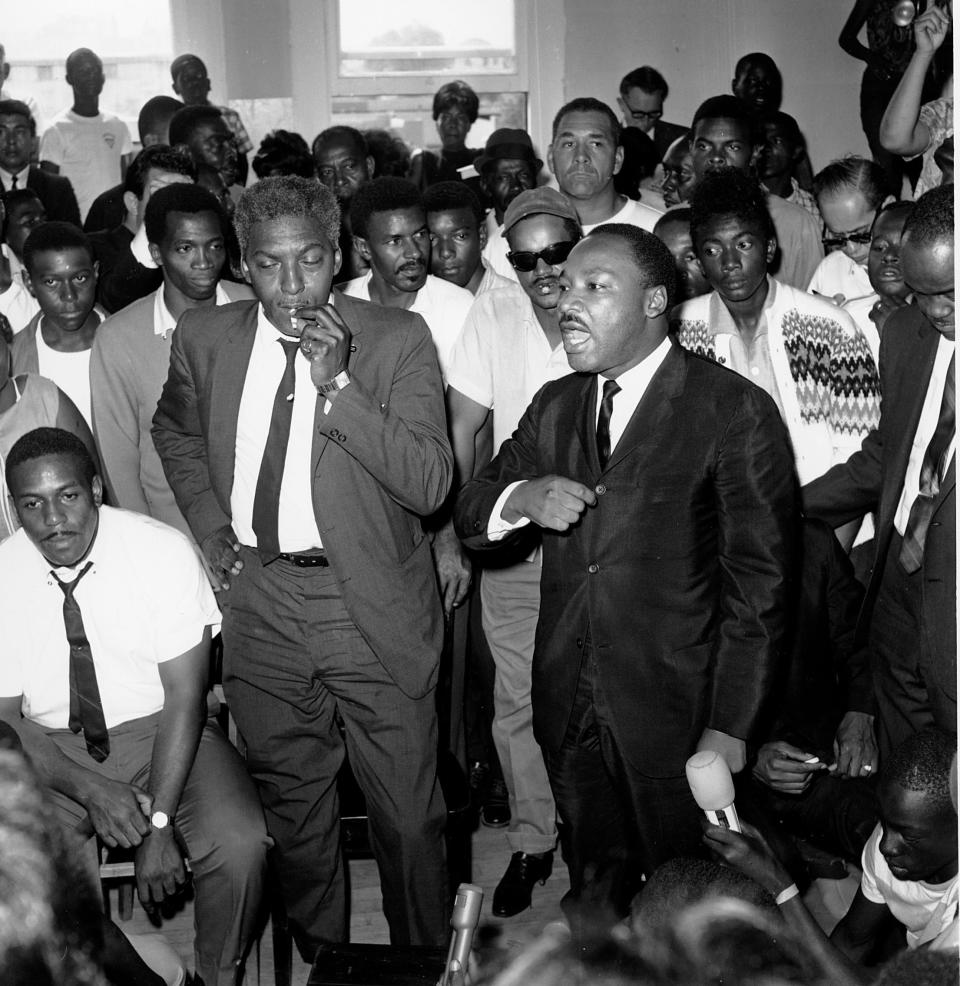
(838, 274)
(16, 302)
(146, 600)
(87, 149)
(442, 305)
(633, 214)
(69, 371)
(497, 248)
(929, 911)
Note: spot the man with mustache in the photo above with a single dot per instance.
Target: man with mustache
(584, 156)
(391, 234)
(662, 489)
(509, 348)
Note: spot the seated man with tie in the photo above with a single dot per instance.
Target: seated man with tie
(303, 434)
(663, 488)
(906, 472)
(107, 617)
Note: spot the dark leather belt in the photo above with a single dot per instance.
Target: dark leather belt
(316, 559)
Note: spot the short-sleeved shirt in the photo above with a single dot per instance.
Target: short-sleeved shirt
(503, 358)
(87, 149)
(442, 305)
(937, 115)
(633, 214)
(146, 600)
(929, 911)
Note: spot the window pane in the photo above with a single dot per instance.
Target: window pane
(427, 37)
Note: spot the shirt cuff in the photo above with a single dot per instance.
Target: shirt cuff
(141, 249)
(497, 527)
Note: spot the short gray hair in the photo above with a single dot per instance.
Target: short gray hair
(287, 195)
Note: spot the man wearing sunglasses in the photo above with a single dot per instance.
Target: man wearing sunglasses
(509, 348)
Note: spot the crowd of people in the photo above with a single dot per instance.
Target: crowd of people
(658, 446)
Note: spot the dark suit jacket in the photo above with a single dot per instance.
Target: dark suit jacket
(106, 211)
(679, 571)
(872, 479)
(664, 134)
(381, 461)
(121, 279)
(56, 194)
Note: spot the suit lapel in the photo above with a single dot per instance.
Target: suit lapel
(645, 428)
(585, 415)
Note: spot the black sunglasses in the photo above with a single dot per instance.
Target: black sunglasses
(830, 242)
(526, 261)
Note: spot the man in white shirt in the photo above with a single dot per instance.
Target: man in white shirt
(663, 488)
(105, 680)
(185, 228)
(90, 146)
(584, 155)
(391, 234)
(906, 471)
(509, 348)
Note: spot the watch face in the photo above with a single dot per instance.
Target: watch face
(159, 820)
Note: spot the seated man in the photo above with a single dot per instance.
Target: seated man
(909, 863)
(391, 235)
(153, 126)
(131, 352)
(673, 229)
(783, 150)
(18, 131)
(344, 164)
(726, 134)
(24, 212)
(120, 740)
(585, 154)
(62, 275)
(642, 95)
(458, 235)
(507, 167)
(805, 353)
(127, 272)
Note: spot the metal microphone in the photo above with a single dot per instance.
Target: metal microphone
(712, 787)
(464, 921)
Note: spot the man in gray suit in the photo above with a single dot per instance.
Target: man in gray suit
(304, 437)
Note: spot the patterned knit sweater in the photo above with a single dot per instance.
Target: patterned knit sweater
(826, 377)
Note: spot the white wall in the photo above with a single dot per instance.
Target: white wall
(696, 43)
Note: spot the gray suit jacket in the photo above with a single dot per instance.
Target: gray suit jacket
(381, 461)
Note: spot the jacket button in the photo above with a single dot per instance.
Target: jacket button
(600, 489)
(593, 569)
(579, 641)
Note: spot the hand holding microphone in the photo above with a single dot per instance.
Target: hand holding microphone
(464, 921)
(712, 787)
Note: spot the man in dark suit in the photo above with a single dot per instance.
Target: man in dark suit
(667, 509)
(18, 132)
(642, 95)
(309, 516)
(906, 472)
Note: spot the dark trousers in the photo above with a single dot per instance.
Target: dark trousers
(294, 663)
(875, 94)
(617, 824)
(907, 685)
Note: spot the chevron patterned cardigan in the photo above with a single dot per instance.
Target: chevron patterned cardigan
(826, 378)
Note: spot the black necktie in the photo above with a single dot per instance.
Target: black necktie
(13, 184)
(932, 471)
(610, 390)
(266, 501)
(86, 712)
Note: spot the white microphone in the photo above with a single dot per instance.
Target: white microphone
(464, 921)
(712, 787)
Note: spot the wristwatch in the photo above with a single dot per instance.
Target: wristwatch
(337, 383)
(159, 819)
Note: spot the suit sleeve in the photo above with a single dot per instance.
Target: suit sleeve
(757, 513)
(116, 420)
(402, 443)
(516, 461)
(181, 444)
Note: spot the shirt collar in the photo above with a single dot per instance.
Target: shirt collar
(94, 554)
(164, 323)
(637, 378)
(721, 322)
(21, 176)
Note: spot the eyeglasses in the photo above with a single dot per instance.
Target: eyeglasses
(526, 260)
(835, 242)
(643, 115)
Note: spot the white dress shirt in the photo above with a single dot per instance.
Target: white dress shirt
(296, 526)
(6, 178)
(926, 426)
(633, 385)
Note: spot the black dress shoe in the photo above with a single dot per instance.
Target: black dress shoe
(514, 891)
(495, 811)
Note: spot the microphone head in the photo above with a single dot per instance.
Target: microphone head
(903, 13)
(466, 907)
(710, 782)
